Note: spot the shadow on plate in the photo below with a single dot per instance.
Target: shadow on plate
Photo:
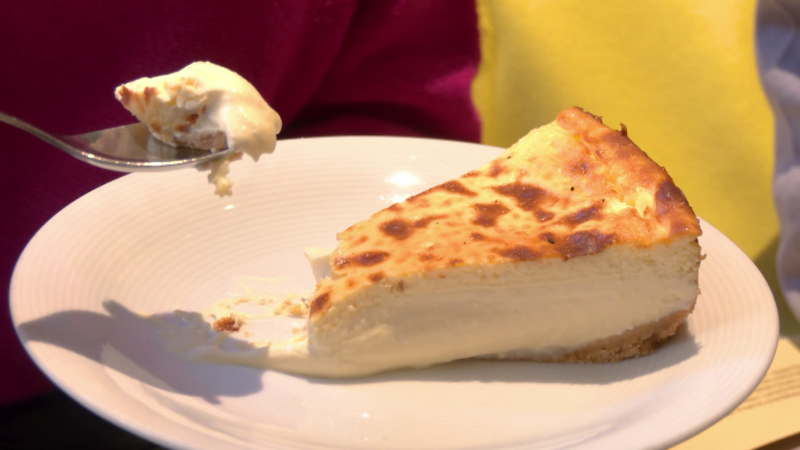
(128, 343)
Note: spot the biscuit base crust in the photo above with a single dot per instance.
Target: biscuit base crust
(639, 341)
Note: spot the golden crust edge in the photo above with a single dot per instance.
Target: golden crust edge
(602, 138)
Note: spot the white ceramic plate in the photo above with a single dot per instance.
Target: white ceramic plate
(150, 243)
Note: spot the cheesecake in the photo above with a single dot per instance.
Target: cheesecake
(208, 107)
(570, 246)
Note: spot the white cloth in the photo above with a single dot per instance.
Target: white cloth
(778, 57)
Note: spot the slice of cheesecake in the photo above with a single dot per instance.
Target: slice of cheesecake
(208, 107)
(572, 245)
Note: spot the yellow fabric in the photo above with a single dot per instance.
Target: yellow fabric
(681, 75)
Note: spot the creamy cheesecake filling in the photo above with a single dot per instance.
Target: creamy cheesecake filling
(545, 308)
(541, 311)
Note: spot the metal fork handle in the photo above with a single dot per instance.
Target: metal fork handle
(45, 136)
(152, 155)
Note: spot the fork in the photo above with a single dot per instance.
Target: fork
(129, 148)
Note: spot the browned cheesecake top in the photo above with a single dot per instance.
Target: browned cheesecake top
(569, 188)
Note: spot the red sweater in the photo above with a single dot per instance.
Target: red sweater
(329, 67)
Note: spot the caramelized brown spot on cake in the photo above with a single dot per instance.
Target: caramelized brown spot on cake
(671, 205)
(623, 148)
(360, 259)
(489, 213)
(397, 228)
(581, 167)
(455, 261)
(425, 221)
(319, 304)
(351, 283)
(582, 215)
(584, 243)
(148, 92)
(496, 170)
(155, 127)
(527, 196)
(400, 286)
(471, 174)
(182, 128)
(668, 197)
(377, 276)
(395, 207)
(370, 258)
(340, 262)
(428, 257)
(455, 187)
(125, 95)
(595, 117)
(477, 237)
(678, 227)
(423, 203)
(519, 253)
(542, 215)
(192, 118)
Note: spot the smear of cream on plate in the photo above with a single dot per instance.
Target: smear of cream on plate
(240, 329)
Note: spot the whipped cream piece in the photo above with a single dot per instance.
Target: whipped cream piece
(208, 107)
